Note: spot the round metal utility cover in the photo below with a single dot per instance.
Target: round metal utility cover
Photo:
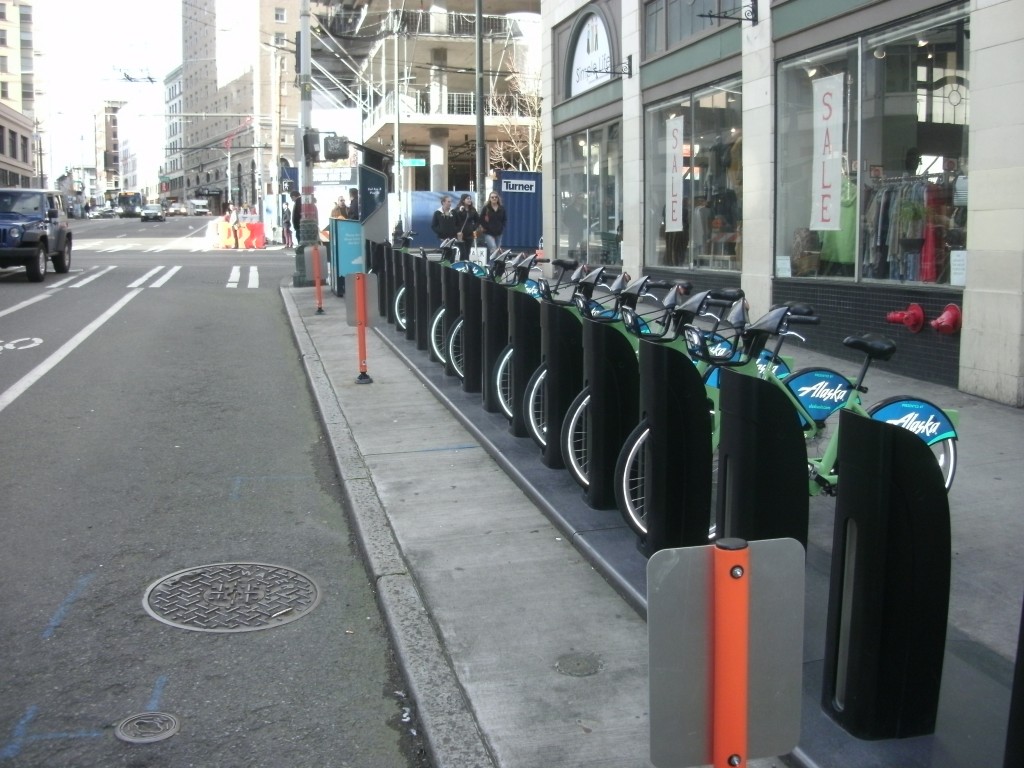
(231, 597)
(147, 727)
(578, 664)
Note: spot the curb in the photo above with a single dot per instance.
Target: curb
(452, 732)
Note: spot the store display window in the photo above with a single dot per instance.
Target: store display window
(872, 156)
(694, 170)
(588, 220)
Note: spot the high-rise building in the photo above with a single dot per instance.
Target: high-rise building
(20, 153)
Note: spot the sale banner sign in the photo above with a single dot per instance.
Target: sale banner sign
(674, 171)
(827, 173)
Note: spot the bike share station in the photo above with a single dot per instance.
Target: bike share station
(842, 660)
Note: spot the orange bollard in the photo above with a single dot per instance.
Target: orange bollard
(730, 648)
(319, 291)
(361, 323)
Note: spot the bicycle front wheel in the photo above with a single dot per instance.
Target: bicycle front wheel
(574, 438)
(533, 406)
(437, 345)
(943, 450)
(399, 308)
(455, 351)
(630, 479)
(503, 381)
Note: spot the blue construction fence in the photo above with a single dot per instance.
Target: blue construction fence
(521, 193)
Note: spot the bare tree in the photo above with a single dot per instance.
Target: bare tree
(518, 115)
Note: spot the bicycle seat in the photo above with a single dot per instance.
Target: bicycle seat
(874, 345)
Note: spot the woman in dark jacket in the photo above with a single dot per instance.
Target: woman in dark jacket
(492, 220)
(467, 220)
(444, 224)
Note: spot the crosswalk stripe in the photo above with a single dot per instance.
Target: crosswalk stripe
(90, 278)
(167, 276)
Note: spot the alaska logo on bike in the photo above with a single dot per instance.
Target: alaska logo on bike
(820, 391)
(924, 419)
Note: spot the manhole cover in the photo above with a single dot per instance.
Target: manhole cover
(147, 727)
(578, 664)
(231, 597)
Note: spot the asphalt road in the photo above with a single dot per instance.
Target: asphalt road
(156, 419)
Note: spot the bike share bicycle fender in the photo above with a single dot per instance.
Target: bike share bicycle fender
(820, 390)
(924, 419)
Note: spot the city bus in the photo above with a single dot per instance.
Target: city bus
(130, 204)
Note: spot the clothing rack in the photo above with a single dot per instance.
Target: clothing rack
(925, 177)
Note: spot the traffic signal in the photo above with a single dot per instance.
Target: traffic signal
(336, 148)
(311, 145)
(298, 53)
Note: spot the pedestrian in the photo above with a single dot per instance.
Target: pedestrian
(233, 222)
(340, 210)
(297, 215)
(286, 225)
(353, 204)
(444, 224)
(492, 221)
(466, 220)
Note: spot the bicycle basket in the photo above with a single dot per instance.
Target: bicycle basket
(594, 309)
(713, 347)
(649, 325)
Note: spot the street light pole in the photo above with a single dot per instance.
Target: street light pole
(481, 146)
(308, 225)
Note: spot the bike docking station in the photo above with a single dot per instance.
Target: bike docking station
(612, 378)
(673, 405)
(523, 323)
(471, 308)
(493, 329)
(762, 463)
(421, 303)
(889, 585)
(451, 298)
(394, 279)
(561, 341)
(409, 271)
(886, 613)
(725, 643)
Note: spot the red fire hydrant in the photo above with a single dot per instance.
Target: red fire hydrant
(912, 317)
(949, 321)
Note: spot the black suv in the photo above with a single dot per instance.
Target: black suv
(33, 230)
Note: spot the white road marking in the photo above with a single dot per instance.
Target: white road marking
(167, 276)
(234, 277)
(26, 303)
(138, 283)
(26, 381)
(90, 278)
(254, 277)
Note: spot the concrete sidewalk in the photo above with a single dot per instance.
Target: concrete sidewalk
(518, 651)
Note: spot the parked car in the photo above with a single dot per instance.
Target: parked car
(34, 229)
(153, 212)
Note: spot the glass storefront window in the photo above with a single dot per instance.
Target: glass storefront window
(670, 22)
(694, 171)
(872, 156)
(588, 221)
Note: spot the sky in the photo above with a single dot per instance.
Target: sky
(83, 52)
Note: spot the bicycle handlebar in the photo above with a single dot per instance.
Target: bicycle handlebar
(803, 319)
